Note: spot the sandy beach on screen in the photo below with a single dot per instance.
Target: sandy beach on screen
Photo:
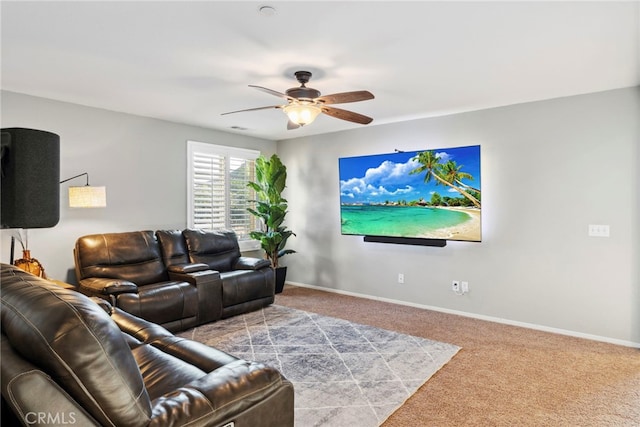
(468, 230)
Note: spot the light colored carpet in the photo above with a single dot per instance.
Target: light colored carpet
(504, 376)
(344, 373)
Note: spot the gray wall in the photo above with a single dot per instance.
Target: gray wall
(141, 161)
(548, 170)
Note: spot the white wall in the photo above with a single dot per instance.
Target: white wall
(548, 170)
(141, 161)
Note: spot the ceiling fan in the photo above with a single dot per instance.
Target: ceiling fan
(305, 103)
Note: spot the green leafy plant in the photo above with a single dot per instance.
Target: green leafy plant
(271, 208)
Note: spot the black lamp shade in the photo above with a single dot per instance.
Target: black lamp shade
(30, 178)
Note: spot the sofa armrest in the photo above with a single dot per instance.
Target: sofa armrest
(196, 278)
(137, 327)
(200, 355)
(29, 391)
(187, 268)
(203, 357)
(250, 263)
(105, 286)
(103, 304)
(209, 285)
(236, 390)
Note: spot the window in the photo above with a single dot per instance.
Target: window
(218, 196)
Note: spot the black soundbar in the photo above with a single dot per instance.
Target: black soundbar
(407, 241)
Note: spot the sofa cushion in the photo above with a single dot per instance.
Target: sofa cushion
(173, 247)
(218, 249)
(77, 343)
(134, 256)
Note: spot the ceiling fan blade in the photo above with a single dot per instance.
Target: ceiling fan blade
(291, 125)
(273, 92)
(344, 97)
(349, 116)
(253, 109)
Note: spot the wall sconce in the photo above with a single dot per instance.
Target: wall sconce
(86, 196)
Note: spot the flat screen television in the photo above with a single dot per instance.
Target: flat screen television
(426, 194)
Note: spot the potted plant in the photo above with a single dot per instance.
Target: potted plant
(271, 209)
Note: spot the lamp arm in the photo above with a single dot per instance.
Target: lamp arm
(77, 176)
(13, 247)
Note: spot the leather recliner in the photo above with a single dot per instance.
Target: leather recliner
(247, 283)
(70, 359)
(178, 279)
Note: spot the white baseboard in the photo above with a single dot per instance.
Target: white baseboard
(477, 316)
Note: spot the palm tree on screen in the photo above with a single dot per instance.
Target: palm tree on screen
(430, 163)
(452, 173)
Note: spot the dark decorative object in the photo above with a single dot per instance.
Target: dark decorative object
(30, 169)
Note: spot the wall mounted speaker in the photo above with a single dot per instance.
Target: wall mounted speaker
(30, 178)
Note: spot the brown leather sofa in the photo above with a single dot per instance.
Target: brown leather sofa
(67, 359)
(177, 279)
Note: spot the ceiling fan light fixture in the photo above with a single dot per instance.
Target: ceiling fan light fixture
(305, 103)
(302, 113)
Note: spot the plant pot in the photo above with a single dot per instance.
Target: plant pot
(281, 274)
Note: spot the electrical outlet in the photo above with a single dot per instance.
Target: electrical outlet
(400, 278)
(596, 230)
(455, 286)
(464, 286)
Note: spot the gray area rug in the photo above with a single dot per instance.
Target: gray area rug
(344, 374)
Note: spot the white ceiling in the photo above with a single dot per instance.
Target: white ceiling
(189, 62)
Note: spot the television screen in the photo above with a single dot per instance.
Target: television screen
(431, 194)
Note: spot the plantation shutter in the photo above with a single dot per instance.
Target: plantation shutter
(242, 171)
(208, 183)
(217, 190)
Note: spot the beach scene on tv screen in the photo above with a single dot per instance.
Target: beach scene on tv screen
(432, 193)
